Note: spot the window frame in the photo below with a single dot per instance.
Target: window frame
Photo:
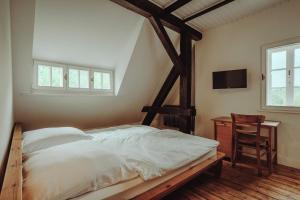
(68, 77)
(66, 89)
(35, 76)
(265, 71)
(111, 90)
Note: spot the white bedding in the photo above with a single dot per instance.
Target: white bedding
(132, 188)
(69, 170)
(47, 137)
(153, 152)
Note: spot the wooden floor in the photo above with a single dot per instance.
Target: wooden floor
(241, 182)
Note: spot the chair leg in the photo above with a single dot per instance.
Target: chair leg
(259, 170)
(269, 158)
(234, 153)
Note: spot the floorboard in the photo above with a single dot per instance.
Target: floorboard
(242, 182)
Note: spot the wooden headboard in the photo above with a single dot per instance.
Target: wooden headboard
(12, 184)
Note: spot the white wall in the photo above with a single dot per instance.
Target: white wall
(6, 98)
(147, 66)
(237, 45)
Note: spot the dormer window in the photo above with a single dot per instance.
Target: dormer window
(64, 78)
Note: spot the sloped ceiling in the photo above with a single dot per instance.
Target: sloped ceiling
(81, 32)
(94, 33)
(147, 67)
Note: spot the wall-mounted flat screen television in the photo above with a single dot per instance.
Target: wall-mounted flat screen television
(230, 79)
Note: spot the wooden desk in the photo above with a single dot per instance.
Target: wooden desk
(223, 133)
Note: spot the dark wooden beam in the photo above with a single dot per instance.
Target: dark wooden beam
(174, 6)
(166, 41)
(163, 93)
(207, 10)
(186, 80)
(148, 9)
(169, 110)
(186, 73)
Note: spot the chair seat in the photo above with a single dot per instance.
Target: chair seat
(251, 139)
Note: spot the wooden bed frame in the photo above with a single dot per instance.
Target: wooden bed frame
(12, 185)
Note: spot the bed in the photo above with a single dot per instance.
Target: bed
(135, 188)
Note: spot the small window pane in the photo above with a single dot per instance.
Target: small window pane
(98, 80)
(106, 81)
(279, 60)
(277, 97)
(297, 57)
(44, 75)
(278, 78)
(73, 78)
(297, 96)
(57, 77)
(297, 77)
(84, 79)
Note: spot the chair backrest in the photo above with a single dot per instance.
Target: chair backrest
(242, 124)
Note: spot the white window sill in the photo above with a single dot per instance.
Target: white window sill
(66, 93)
(280, 109)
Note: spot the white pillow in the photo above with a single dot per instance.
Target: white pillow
(47, 137)
(69, 170)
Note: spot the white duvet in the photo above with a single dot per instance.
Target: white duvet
(68, 170)
(114, 155)
(153, 152)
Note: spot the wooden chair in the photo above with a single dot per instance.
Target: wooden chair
(246, 132)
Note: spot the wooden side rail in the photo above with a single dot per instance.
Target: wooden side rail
(214, 163)
(12, 184)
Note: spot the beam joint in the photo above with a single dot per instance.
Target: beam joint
(148, 9)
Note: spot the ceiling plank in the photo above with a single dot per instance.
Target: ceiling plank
(207, 10)
(148, 9)
(174, 6)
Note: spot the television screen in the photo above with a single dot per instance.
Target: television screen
(230, 79)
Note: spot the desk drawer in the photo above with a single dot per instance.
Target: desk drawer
(224, 136)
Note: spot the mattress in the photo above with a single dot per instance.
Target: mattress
(132, 188)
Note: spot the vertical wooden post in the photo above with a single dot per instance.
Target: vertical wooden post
(186, 80)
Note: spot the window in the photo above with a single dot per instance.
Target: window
(69, 78)
(49, 76)
(281, 69)
(102, 81)
(78, 78)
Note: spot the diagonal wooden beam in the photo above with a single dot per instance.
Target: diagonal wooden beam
(207, 10)
(174, 6)
(167, 43)
(163, 93)
(148, 9)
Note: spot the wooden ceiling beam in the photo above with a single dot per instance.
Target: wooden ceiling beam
(174, 6)
(207, 10)
(167, 43)
(148, 9)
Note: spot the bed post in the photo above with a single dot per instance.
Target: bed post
(217, 170)
(12, 184)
